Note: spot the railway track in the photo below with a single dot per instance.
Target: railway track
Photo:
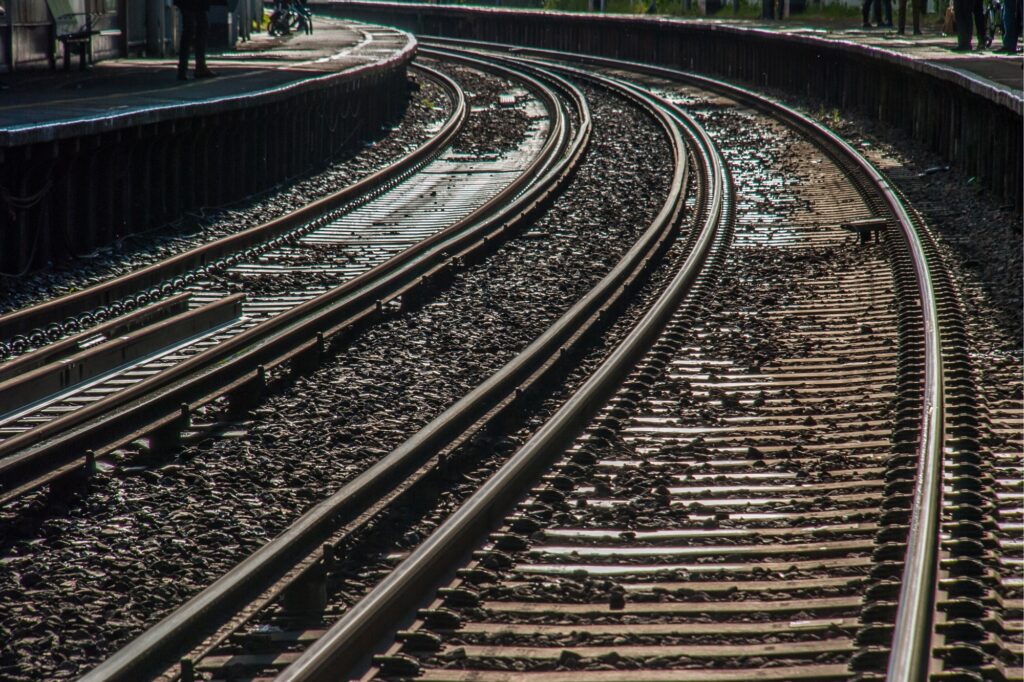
(782, 471)
(397, 231)
(736, 508)
(1006, 618)
(295, 559)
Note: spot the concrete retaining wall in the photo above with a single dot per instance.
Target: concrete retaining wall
(65, 190)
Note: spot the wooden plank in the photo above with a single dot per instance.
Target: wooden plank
(672, 608)
(615, 535)
(648, 569)
(816, 672)
(216, 663)
(712, 586)
(657, 629)
(731, 651)
(752, 550)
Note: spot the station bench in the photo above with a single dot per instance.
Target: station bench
(75, 30)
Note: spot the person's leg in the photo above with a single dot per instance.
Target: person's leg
(1017, 24)
(901, 17)
(866, 12)
(917, 6)
(979, 21)
(202, 33)
(887, 13)
(1019, 5)
(1010, 19)
(962, 10)
(188, 36)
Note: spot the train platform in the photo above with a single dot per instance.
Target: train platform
(88, 157)
(40, 106)
(932, 46)
(964, 107)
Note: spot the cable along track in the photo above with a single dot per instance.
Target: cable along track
(741, 508)
(398, 238)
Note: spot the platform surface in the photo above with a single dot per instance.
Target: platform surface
(39, 105)
(1001, 70)
(1005, 72)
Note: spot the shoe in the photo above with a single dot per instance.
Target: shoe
(205, 73)
(183, 75)
(961, 48)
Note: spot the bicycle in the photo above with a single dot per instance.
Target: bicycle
(288, 16)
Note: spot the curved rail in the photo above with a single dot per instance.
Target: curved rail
(347, 641)
(911, 646)
(912, 640)
(216, 603)
(152, 282)
(36, 454)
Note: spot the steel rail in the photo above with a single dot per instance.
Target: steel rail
(310, 567)
(215, 604)
(34, 318)
(348, 641)
(910, 657)
(107, 330)
(32, 456)
(26, 390)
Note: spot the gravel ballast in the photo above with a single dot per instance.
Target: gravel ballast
(81, 579)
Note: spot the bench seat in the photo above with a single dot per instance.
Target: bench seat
(75, 30)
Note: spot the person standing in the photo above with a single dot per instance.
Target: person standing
(195, 28)
(966, 11)
(978, 10)
(916, 7)
(866, 8)
(1011, 26)
(881, 13)
(886, 14)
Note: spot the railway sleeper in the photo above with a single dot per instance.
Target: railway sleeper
(248, 393)
(73, 482)
(306, 598)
